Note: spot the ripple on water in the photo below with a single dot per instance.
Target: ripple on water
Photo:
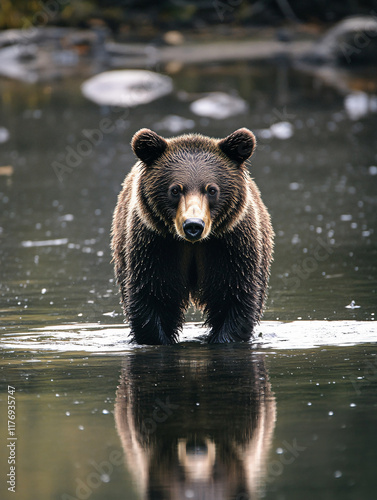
(97, 338)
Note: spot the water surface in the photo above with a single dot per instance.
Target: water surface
(194, 420)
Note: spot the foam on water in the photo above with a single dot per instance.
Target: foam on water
(102, 338)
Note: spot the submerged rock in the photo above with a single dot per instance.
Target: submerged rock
(126, 88)
(174, 124)
(359, 104)
(353, 40)
(4, 135)
(48, 53)
(19, 62)
(219, 105)
(279, 130)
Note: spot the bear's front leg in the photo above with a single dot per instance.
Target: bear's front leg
(231, 293)
(231, 324)
(154, 294)
(232, 309)
(152, 321)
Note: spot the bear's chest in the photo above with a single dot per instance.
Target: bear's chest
(192, 264)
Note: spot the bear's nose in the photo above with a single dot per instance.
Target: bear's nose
(193, 228)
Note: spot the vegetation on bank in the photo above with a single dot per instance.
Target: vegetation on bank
(123, 16)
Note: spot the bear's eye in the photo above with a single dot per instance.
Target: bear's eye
(175, 190)
(212, 191)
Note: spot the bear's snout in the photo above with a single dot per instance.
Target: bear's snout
(193, 228)
(193, 218)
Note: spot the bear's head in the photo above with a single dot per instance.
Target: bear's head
(193, 186)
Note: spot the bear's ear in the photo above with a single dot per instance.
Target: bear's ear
(148, 146)
(238, 146)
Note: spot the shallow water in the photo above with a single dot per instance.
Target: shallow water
(290, 415)
(98, 418)
(320, 186)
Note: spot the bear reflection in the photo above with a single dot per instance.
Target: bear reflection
(196, 421)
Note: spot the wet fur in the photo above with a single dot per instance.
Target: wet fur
(225, 274)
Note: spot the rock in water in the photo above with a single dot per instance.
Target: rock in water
(126, 88)
(219, 105)
(352, 40)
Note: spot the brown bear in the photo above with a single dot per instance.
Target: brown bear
(190, 225)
